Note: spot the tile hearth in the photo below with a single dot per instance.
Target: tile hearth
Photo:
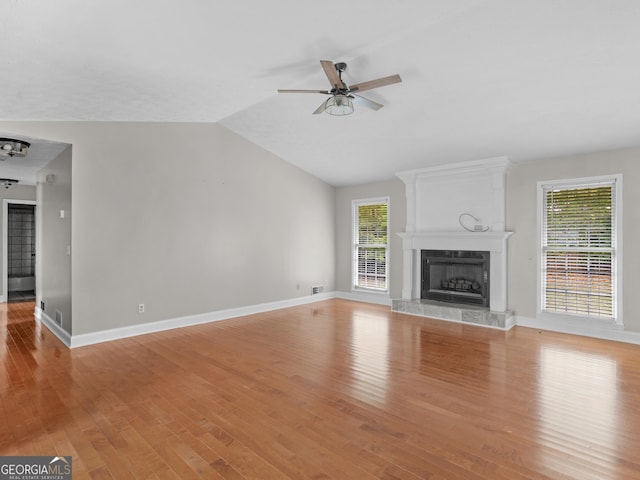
(468, 314)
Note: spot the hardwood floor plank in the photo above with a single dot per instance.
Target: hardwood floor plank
(170, 450)
(118, 466)
(331, 390)
(100, 473)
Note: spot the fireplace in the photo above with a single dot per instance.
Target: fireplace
(437, 199)
(455, 276)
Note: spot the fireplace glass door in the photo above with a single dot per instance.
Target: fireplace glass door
(456, 276)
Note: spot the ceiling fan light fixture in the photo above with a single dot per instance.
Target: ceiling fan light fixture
(10, 147)
(339, 105)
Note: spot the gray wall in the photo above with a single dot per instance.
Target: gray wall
(192, 218)
(53, 265)
(16, 192)
(187, 219)
(522, 180)
(394, 189)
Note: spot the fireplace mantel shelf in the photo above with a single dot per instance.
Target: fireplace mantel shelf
(491, 235)
(493, 241)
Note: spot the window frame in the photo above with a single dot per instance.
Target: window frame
(616, 182)
(354, 246)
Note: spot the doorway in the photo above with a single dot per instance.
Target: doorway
(19, 250)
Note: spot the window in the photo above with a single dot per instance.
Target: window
(370, 252)
(579, 254)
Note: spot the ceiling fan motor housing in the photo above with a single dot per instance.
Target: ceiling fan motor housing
(341, 66)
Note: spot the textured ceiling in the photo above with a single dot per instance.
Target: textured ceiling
(527, 79)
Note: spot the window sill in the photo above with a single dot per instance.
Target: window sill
(372, 291)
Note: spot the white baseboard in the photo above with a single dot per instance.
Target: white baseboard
(570, 326)
(577, 327)
(376, 298)
(56, 329)
(190, 320)
(510, 322)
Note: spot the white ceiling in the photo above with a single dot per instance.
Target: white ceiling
(527, 79)
(25, 169)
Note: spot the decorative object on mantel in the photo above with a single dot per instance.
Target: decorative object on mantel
(10, 147)
(476, 228)
(7, 182)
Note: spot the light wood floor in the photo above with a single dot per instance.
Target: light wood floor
(334, 390)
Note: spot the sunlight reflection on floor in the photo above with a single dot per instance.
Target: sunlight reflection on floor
(370, 350)
(577, 399)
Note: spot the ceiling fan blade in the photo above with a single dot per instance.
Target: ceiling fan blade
(293, 90)
(321, 108)
(379, 82)
(332, 74)
(365, 102)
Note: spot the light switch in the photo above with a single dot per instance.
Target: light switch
(61, 213)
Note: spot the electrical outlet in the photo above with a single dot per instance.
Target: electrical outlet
(478, 228)
(141, 308)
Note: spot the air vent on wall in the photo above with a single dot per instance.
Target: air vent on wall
(317, 289)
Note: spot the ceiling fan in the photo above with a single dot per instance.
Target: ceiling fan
(342, 95)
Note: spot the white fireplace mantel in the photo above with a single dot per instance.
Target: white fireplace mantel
(494, 242)
(437, 197)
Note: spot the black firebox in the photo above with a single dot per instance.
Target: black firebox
(456, 276)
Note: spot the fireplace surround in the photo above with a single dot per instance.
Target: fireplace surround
(436, 198)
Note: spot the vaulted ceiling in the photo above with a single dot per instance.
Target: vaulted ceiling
(528, 79)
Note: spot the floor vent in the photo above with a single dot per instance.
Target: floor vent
(316, 290)
(58, 317)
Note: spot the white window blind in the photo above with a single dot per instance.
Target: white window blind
(371, 243)
(578, 247)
